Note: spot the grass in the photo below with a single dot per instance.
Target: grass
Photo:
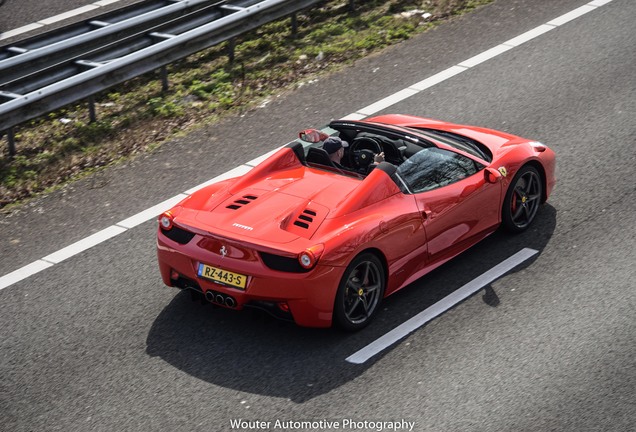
(137, 116)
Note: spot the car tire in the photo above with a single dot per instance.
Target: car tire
(360, 292)
(522, 200)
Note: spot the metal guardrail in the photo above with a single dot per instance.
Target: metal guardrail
(54, 70)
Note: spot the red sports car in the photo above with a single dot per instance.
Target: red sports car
(318, 239)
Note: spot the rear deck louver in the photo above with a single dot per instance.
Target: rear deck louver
(237, 204)
(305, 218)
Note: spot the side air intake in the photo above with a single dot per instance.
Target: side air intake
(237, 204)
(305, 218)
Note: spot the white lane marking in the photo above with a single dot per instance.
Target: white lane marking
(438, 78)
(440, 307)
(46, 21)
(69, 14)
(485, 56)
(234, 172)
(150, 213)
(85, 243)
(23, 273)
(18, 31)
(474, 61)
(260, 159)
(388, 101)
(105, 2)
(529, 35)
(565, 18)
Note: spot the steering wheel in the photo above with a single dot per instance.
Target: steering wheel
(363, 150)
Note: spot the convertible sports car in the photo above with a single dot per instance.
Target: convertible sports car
(318, 243)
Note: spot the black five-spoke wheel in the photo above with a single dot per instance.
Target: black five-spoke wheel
(360, 292)
(522, 199)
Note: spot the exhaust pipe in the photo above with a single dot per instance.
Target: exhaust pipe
(229, 302)
(221, 299)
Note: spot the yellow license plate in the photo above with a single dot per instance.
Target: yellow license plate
(221, 276)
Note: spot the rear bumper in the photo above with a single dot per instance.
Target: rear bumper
(309, 296)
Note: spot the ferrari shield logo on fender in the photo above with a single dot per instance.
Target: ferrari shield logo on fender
(223, 251)
(503, 171)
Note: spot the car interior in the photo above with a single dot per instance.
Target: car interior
(364, 144)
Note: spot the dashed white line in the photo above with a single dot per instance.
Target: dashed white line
(440, 307)
(139, 218)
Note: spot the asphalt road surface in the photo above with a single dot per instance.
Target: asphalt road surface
(98, 343)
(16, 14)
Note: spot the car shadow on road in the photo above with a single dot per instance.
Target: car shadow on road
(253, 353)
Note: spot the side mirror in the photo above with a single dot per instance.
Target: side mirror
(492, 175)
(312, 135)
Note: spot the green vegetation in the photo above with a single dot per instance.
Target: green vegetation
(137, 116)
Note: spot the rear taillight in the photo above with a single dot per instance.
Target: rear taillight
(309, 257)
(165, 220)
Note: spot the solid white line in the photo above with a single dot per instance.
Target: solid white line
(23, 273)
(20, 30)
(598, 3)
(261, 158)
(571, 15)
(235, 172)
(388, 101)
(46, 21)
(105, 2)
(353, 116)
(485, 56)
(85, 243)
(440, 307)
(67, 15)
(150, 213)
(438, 78)
(529, 35)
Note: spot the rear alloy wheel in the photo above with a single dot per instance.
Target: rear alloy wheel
(359, 293)
(522, 199)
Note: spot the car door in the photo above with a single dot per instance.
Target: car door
(457, 204)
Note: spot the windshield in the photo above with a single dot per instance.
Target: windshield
(432, 167)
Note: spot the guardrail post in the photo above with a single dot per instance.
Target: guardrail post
(164, 78)
(91, 109)
(11, 140)
(231, 44)
(294, 25)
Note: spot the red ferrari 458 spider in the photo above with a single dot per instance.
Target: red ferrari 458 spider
(318, 242)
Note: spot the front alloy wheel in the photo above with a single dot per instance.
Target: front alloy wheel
(359, 293)
(522, 199)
